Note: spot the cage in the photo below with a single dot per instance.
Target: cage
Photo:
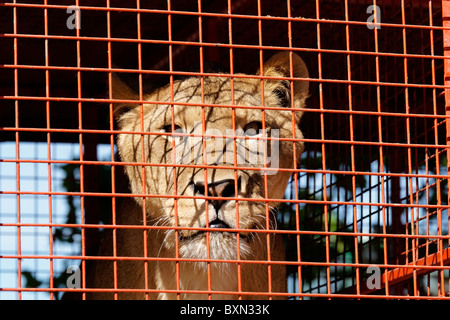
(365, 213)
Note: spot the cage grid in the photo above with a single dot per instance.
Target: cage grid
(371, 191)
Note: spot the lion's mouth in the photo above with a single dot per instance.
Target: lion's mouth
(220, 225)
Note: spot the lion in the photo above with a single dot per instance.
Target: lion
(204, 200)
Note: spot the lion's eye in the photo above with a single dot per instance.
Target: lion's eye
(168, 128)
(253, 128)
(173, 134)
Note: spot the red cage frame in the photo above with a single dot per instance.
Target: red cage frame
(415, 255)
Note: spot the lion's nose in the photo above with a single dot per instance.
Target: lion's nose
(220, 189)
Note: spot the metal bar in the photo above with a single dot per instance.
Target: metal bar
(413, 270)
(446, 40)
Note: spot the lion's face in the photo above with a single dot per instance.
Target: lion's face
(214, 166)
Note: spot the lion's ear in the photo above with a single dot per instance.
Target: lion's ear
(279, 65)
(120, 91)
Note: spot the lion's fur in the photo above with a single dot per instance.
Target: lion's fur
(184, 210)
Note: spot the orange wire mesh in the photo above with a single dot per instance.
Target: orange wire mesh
(371, 191)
